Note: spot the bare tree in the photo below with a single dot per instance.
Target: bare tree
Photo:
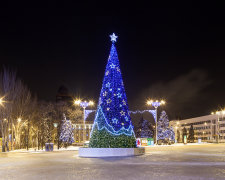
(18, 107)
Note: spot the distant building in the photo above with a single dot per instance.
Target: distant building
(82, 130)
(63, 95)
(209, 128)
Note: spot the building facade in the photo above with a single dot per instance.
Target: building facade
(82, 133)
(209, 128)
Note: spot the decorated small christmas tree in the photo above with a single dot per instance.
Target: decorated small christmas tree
(66, 135)
(112, 126)
(145, 129)
(164, 131)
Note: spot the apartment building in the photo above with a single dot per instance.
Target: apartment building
(209, 128)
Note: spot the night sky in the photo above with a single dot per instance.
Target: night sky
(172, 51)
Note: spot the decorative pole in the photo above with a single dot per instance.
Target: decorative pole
(84, 105)
(155, 104)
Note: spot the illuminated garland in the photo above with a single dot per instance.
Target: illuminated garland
(86, 113)
(153, 112)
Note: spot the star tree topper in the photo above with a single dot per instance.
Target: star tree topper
(113, 37)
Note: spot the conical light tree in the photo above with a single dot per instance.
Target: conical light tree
(112, 126)
(66, 135)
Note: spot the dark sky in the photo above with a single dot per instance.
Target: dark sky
(170, 51)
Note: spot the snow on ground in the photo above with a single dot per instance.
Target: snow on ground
(195, 162)
(35, 150)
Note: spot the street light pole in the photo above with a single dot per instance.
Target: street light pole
(2, 125)
(156, 104)
(84, 105)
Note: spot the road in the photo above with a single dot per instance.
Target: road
(205, 161)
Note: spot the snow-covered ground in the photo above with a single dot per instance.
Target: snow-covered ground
(35, 150)
(178, 144)
(194, 162)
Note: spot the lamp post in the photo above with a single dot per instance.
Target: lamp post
(2, 125)
(84, 105)
(155, 104)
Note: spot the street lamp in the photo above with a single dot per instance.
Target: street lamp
(84, 105)
(3, 138)
(155, 104)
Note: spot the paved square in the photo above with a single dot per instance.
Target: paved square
(206, 161)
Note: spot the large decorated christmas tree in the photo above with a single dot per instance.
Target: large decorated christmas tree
(112, 126)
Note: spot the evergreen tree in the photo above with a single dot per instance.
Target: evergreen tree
(191, 136)
(163, 129)
(112, 126)
(145, 129)
(178, 136)
(184, 133)
(66, 135)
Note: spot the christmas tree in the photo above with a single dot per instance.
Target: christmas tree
(191, 136)
(164, 131)
(145, 129)
(112, 126)
(66, 135)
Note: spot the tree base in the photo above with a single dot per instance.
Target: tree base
(110, 152)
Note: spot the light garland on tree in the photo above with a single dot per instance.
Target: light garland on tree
(112, 124)
(153, 112)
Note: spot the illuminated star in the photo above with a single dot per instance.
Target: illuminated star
(119, 95)
(113, 37)
(122, 124)
(108, 101)
(121, 105)
(118, 89)
(126, 118)
(110, 89)
(112, 66)
(115, 120)
(107, 84)
(124, 102)
(118, 69)
(108, 109)
(105, 93)
(122, 113)
(107, 73)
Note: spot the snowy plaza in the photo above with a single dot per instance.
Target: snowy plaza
(205, 161)
(112, 97)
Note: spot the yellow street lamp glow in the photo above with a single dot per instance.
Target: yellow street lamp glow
(163, 102)
(149, 102)
(2, 101)
(91, 103)
(77, 102)
(217, 112)
(19, 119)
(223, 112)
(178, 122)
(212, 112)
